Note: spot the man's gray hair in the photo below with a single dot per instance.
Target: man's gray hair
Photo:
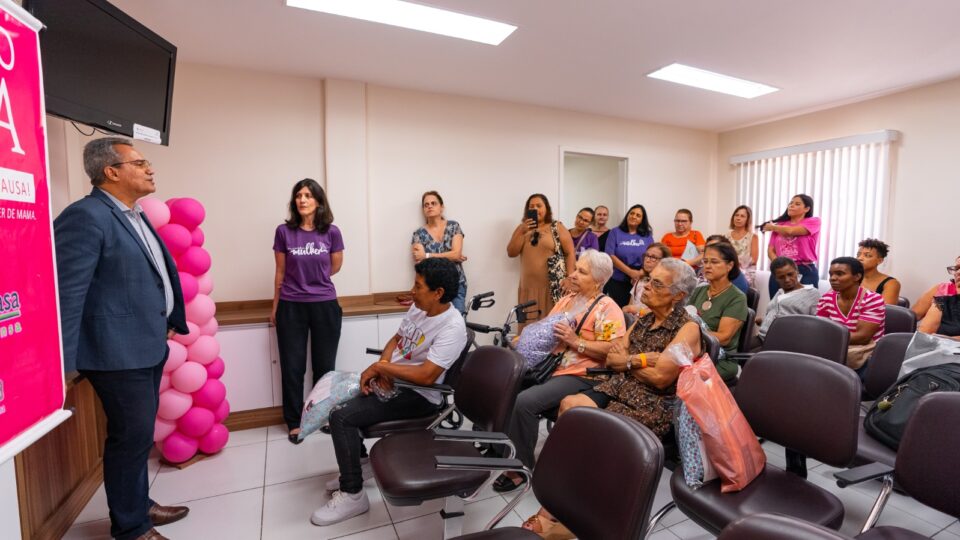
(99, 154)
(601, 265)
(684, 278)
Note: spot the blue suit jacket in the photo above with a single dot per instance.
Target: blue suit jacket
(112, 307)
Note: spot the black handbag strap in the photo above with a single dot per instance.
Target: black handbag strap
(587, 314)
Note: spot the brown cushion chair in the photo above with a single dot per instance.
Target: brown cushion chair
(600, 490)
(804, 403)
(404, 464)
(899, 319)
(924, 468)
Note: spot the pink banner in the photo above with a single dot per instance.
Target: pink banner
(31, 373)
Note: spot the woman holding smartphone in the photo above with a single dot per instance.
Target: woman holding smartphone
(308, 250)
(546, 255)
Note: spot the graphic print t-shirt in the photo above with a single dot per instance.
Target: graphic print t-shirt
(306, 276)
(440, 339)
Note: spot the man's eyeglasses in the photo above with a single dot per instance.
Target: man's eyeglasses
(140, 163)
(952, 269)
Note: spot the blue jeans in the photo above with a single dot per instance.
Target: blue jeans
(809, 275)
(459, 301)
(130, 398)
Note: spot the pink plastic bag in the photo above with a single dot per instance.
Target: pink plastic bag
(731, 445)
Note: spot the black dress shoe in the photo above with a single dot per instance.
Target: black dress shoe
(162, 515)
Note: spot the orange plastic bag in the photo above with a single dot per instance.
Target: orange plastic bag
(729, 440)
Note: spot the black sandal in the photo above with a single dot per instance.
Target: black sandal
(504, 483)
(294, 438)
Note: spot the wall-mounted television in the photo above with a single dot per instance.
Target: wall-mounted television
(103, 68)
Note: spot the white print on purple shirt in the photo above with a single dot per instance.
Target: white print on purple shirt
(309, 249)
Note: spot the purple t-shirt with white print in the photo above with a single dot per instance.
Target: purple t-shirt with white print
(306, 276)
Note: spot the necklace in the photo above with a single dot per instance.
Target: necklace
(709, 303)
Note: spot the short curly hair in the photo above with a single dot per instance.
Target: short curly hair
(877, 245)
(438, 272)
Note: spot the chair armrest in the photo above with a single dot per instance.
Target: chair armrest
(856, 475)
(471, 436)
(442, 388)
(480, 463)
(740, 358)
(599, 371)
(374, 352)
(482, 328)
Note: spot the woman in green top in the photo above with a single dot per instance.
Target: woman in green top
(722, 306)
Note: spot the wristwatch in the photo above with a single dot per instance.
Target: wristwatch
(581, 346)
(629, 364)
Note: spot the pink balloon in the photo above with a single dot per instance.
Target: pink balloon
(200, 309)
(169, 202)
(215, 439)
(205, 283)
(187, 212)
(175, 237)
(204, 350)
(195, 260)
(210, 327)
(210, 395)
(189, 285)
(189, 377)
(188, 339)
(173, 404)
(222, 411)
(164, 381)
(196, 422)
(176, 357)
(198, 237)
(215, 369)
(178, 447)
(157, 213)
(162, 429)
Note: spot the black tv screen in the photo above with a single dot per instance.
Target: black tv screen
(103, 68)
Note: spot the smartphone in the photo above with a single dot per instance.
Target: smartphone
(532, 214)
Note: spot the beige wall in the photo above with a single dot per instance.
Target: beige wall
(485, 157)
(240, 139)
(925, 188)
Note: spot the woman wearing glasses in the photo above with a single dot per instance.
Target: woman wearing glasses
(583, 238)
(656, 252)
(722, 306)
(546, 255)
(440, 237)
(685, 243)
(308, 249)
(947, 288)
(626, 245)
(943, 317)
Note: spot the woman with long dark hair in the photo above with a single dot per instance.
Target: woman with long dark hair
(796, 235)
(546, 255)
(626, 245)
(308, 249)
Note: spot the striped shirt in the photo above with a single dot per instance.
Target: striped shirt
(868, 306)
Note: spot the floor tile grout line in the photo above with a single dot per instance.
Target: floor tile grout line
(263, 488)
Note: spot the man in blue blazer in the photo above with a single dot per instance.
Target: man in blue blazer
(120, 300)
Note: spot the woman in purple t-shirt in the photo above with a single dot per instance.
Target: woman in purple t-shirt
(796, 235)
(309, 250)
(626, 246)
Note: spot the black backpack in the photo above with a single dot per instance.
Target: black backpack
(887, 418)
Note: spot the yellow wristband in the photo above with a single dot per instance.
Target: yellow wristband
(643, 361)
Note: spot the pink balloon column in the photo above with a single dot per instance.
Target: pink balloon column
(193, 401)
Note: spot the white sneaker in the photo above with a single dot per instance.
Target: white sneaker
(341, 506)
(366, 471)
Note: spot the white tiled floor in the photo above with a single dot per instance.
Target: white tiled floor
(262, 487)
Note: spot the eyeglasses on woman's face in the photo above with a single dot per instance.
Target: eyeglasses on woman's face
(651, 257)
(952, 269)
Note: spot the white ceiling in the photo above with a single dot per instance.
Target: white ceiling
(593, 55)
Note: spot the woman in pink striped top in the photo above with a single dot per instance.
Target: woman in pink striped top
(861, 310)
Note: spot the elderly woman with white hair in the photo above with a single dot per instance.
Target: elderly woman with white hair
(587, 349)
(644, 386)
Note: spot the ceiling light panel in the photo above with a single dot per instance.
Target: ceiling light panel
(708, 80)
(415, 17)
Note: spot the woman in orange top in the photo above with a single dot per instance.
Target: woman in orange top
(683, 241)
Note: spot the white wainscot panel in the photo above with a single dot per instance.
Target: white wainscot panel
(357, 334)
(387, 326)
(246, 353)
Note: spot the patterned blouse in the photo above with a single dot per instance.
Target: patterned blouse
(422, 236)
(633, 398)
